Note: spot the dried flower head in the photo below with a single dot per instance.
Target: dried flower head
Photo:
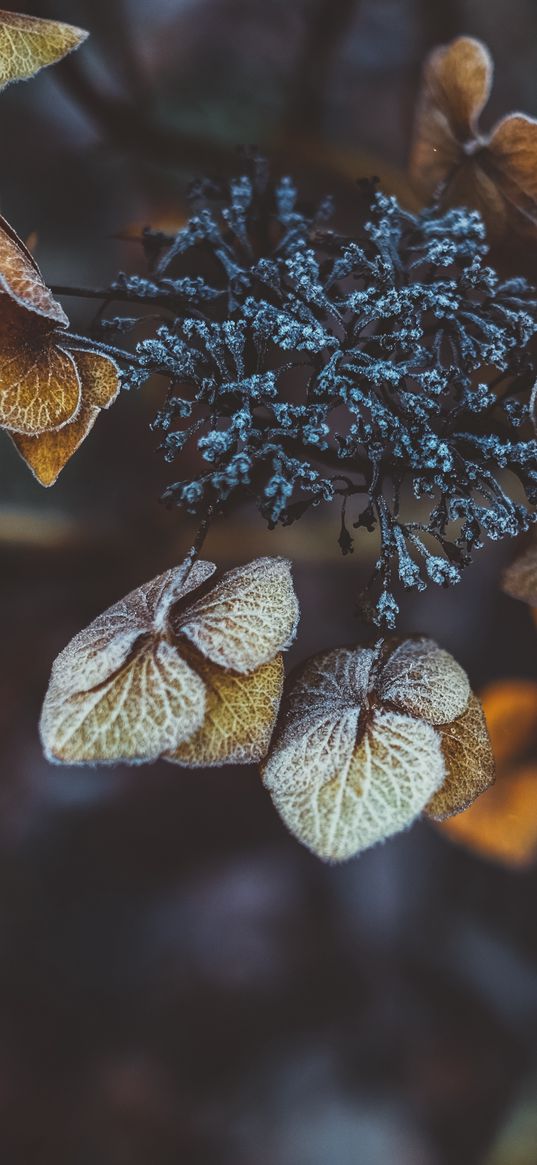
(502, 825)
(195, 682)
(28, 44)
(495, 173)
(370, 739)
(51, 392)
(390, 372)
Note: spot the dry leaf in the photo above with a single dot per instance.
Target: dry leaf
(132, 688)
(520, 579)
(502, 824)
(240, 714)
(496, 174)
(360, 751)
(469, 763)
(28, 44)
(50, 395)
(47, 453)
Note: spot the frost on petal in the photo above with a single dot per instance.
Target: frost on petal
(98, 651)
(22, 281)
(249, 616)
(150, 705)
(331, 680)
(456, 84)
(424, 680)
(28, 44)
(520, 579)
(240, 715)
(469, 763)
(340, 792)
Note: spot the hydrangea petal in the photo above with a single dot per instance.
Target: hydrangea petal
(39, 384)
(152, 703)
(470, 767)
(22, 281)
(339, 795)
(457, 79)
(422, 679)
(520, 579)
(248, 617)
(240, 715)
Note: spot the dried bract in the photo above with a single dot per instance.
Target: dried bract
(502, 825)
(155, 676)
(496, 173)
(370, 739)
(28, 44)
(51, 392)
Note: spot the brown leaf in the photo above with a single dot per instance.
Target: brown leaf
(494, 174)
(240, 715)
(249, 616)
(39, 383)
(48, 453)
(28, 44)
(456, 84)
(469, 759)
(520, 579)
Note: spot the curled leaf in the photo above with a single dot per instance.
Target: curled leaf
(370, 739)
(131, 687)
(494, 173)
(28, 44)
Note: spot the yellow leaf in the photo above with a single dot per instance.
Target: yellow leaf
(28, 44)
(469, 762)
(240, 715)
(249, 616)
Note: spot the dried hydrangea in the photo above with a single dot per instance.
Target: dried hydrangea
(389, 371)
(372, 738)
(195, 680)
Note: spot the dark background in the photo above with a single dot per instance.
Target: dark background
(179, 980)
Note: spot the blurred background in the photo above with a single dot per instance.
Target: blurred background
(179, 979)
